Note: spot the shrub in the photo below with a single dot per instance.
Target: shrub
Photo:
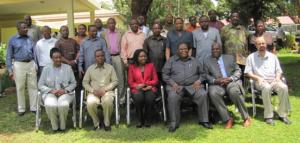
(2, 54)
(291, 42)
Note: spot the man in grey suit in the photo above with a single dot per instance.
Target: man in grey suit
(223, 76)
(183, 75)
(204, 38)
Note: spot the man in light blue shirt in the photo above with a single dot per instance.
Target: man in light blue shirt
(88, 48)
(22, 67)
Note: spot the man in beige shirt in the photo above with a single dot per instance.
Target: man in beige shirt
(131, 41)
(99, 81)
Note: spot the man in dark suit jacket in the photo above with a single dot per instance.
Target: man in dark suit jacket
(183, 76)
(223, 76)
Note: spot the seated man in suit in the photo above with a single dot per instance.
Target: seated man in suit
(223, 76)
(99, 80)
(264, 68)
(183, 76)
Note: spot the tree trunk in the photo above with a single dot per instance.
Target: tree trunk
(140, 7)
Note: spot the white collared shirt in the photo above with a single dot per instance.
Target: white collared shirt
(43, 48)
(266, 67)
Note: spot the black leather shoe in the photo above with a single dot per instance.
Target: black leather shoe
(270, 121)
(34, 112)
(207, 125)
(285, 120)
(139, 125)
(172, 129)
(21, 113)
(96, 128)
(107, 128)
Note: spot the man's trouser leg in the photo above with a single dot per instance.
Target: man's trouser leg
(120, 71)
(201, 99)
(282, 90)
(107, 105)
(174, 102)
(92, 106)
(216, 94)
(236, 96)
(266, 90)
(25, 73)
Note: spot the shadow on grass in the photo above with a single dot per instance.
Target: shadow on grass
(157, 132)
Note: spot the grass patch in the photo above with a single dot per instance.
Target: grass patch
(21, 129)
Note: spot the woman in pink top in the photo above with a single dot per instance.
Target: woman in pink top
(142, 80)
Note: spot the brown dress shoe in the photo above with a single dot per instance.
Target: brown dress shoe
(247, 122)
(229, 124)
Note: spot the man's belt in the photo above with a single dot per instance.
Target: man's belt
(25, 61)
(114, 54)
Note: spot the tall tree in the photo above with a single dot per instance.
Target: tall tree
(256, 9)
(140, 7)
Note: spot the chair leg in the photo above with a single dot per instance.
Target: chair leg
(253, 98)
(38, 110)
(117, 117)
(74, 113)
(128, 107)
(163, 103)
(80, 109)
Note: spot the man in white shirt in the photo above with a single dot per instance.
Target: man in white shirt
(43, 47)
(264, 68)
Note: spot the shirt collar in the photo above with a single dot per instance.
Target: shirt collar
(178, 58)
(156, 38)
(94, 39)
(265, 57)
(139, 32)
(100, 67)
(19, 36)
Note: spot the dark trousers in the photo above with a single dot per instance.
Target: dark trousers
(143, 102)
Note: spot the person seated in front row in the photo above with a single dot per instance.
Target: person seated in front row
(56, 84)
(142, 80)
(183, 75)
(223, 76)
(99, 81)
(264, 68)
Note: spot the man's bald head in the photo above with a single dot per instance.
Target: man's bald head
(260, 44)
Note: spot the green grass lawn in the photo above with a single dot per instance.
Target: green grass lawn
(21, 129)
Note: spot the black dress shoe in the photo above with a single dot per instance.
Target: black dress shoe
(21, 113)
(96, 128)
(270, 121)
(34, 112)
(107, 128)
(147, 125)
(207, 125)
(172, 129)
(285, 120)
(139, 125)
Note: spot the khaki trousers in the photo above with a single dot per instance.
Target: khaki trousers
(25, 76)
(281, 89)
(57, 109)
(120, 71)
(106, 102)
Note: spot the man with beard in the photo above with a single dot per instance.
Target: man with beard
(204, 38)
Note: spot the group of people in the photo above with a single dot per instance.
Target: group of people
(143, 59)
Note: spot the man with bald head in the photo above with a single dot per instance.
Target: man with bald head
(223, 76)
(264, 68)
(33, 31)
